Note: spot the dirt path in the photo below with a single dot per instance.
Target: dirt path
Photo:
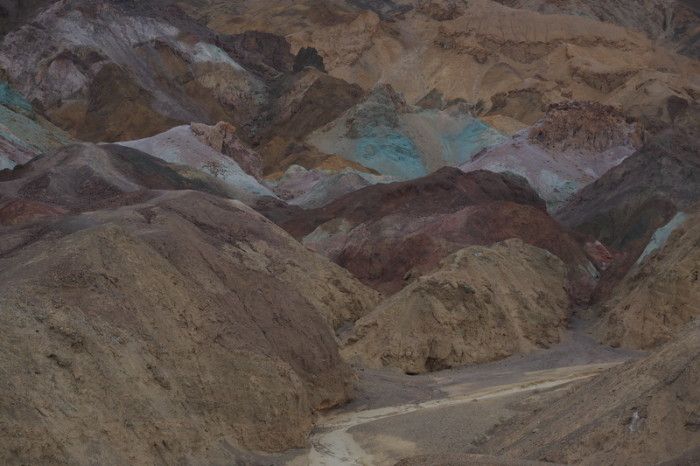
(388, 401)
(332, 444)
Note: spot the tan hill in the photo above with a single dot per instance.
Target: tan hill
(674, 23)
(480, 305)
(185, 325)
(661, 293)
(641, 413)
(86, 177)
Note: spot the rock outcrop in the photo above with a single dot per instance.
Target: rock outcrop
(587, 127)
(308, 56)
(480, 305)
(222, 138)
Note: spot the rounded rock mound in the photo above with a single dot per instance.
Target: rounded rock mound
(482, 304)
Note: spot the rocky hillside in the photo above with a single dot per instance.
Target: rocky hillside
(642, 413)
(175, 320)
(24, 133)
(674, 24)
(389, 235)
(630, 202)
(501, 60)
(112, 71)
(476, 307)
(576, 143)
(214, 215)
(661, 293)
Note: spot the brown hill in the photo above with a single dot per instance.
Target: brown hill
(642, 413)
(659, 295)
(481, 305)
(185, 325)
(444, 191)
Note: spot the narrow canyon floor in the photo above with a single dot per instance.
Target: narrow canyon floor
(449, 412)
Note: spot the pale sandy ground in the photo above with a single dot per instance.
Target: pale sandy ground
(448, 412)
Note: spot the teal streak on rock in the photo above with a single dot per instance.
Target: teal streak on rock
(27, 133)
(661, 235)
(390, 152)
(14, 100)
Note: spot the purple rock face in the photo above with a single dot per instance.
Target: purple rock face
(388, 235)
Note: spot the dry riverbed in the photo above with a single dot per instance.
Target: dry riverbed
(449, 412)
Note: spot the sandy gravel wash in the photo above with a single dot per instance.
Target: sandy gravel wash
(332, 444)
